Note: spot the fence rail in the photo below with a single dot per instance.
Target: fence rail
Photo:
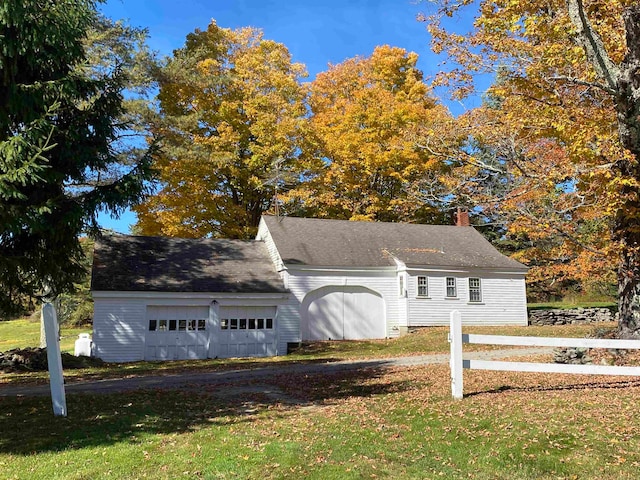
(457, 363)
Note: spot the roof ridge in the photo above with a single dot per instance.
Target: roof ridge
(362, 222)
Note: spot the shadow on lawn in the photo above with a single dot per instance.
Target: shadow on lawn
(324, 347)
(557, 388)
(28, 426)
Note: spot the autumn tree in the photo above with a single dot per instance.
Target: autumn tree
(363, 160)
(568, 74)
(527, 181)
(230, 113)
(60, 161)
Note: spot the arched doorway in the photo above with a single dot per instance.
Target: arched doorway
(343, 313)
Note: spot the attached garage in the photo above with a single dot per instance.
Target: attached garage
(343, 313)
(161, 298)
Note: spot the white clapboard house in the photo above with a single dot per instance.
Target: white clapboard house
(158, 298)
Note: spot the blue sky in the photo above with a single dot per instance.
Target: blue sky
(316, 32)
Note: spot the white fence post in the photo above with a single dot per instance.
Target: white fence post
(455, 337)
(54, 360)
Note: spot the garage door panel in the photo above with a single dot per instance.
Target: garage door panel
(244, 332)
(150, 353)
(367, 312)
(176, 332)
(327, 307)
(163, 352)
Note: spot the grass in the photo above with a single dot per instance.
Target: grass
(26, 333)
(396, 423)
(399, 423)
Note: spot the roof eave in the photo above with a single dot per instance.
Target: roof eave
(351, 268)
(514, 269)
(187, 295)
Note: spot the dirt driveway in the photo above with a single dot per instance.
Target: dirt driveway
(255, 375)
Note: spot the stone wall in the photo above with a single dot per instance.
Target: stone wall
(566, 317)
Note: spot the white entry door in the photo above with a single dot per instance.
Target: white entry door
(177, 332)
(244, 332)
(343, 313)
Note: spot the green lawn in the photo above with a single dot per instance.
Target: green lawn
(398, 424)
(26, 333)
(379, 423)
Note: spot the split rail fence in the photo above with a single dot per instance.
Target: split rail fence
(458, 363)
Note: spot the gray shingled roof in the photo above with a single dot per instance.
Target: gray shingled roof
(162, 264)
(342, 243)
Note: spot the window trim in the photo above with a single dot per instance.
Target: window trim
(454, 286)
(425, 286)
(477, 289)
(402, 285)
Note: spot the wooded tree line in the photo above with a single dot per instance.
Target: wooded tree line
(548, 165)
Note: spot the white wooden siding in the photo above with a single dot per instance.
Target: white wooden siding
(120, 318)
(119, 328)
(265, 235)
(301, 282)
(503, 299)
(288, 324)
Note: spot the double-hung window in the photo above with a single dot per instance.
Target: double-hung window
(475, 293)
(423, 286)
(451, 287)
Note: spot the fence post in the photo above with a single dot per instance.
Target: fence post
(455, 362)
(54, 360)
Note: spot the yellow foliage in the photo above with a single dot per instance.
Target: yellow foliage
(231, 106)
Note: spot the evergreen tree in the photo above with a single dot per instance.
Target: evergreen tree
(61, 124)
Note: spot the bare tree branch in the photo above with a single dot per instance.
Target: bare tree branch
(577, 81)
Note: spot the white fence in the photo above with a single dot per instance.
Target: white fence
(457, 363)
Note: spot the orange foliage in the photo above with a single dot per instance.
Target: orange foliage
(365, 117)
(546, 142)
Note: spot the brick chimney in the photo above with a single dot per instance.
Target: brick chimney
(462, 217)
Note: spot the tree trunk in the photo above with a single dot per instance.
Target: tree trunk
(626, 234)
(629, 295)
(626, 229)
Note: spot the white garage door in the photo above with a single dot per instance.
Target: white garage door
(343, 313)
(244, 332)
(176, 333)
